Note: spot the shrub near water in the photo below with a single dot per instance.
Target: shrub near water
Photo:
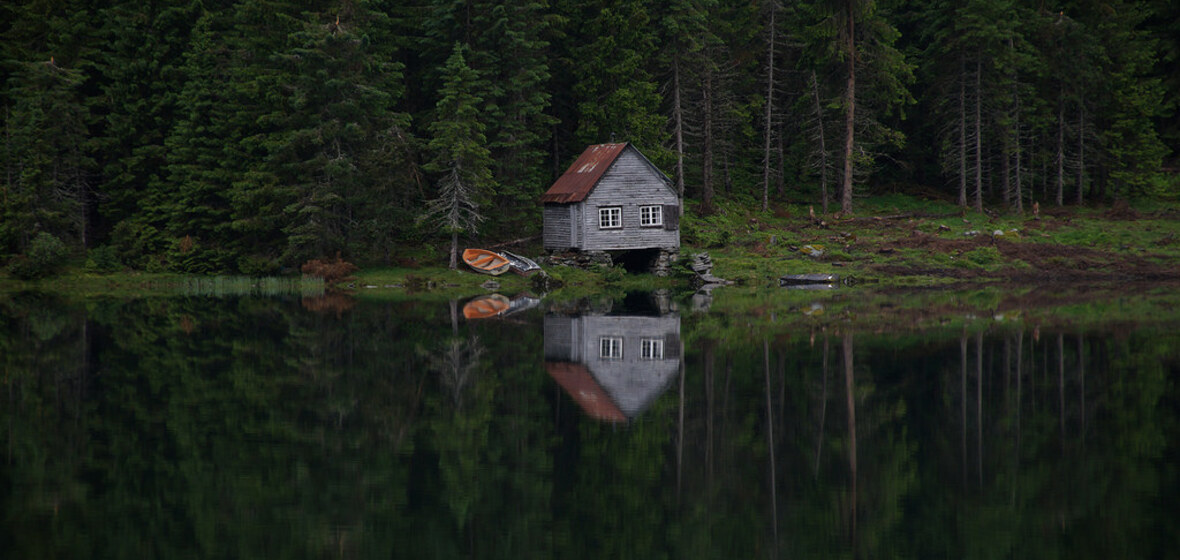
(45, 256)
(331, 271)
(103, 259)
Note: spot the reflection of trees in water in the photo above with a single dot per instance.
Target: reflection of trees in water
(456, 361)
(212, 425)
(932, 449)
(1041, 449)
(255, 428)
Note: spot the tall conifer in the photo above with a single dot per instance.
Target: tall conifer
(461, 158)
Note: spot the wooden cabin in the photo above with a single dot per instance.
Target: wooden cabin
(613, 366)
(611, 199)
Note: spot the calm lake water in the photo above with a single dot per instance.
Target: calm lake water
(635, 427)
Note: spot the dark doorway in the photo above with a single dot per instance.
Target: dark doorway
(638, 261)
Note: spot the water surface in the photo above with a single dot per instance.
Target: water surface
(636, 427)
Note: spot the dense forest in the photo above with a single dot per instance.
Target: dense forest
(211, 136)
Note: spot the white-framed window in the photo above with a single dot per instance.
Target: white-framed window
(610, 348)
(651, 216)
(610, 217)
(651, 349)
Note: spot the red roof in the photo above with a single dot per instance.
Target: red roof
(580, 384)
(580, 178)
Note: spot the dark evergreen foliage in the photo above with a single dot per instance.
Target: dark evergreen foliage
(253, 136)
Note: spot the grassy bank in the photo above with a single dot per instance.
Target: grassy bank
(902, 241)
(892, 241)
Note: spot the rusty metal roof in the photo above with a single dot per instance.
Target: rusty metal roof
(577, 181)
(577, 380)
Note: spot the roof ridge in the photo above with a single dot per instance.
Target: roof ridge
(584, 173)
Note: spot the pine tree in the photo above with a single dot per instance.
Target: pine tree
(46, 60)
(685, 30)
(519, 128)
(461, 157)
(617, 97)
(506, 46)
(46, 165)
(876, 77)
(1128, 98)
(192, 200)
(338, 140)
(137, 99)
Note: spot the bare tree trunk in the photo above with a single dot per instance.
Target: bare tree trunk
(781, 182)
(769, 111)
(1019, 388)
(1006, 178)
(707, 143)
(770, 440)
(821, 139)
(454, 250)
(1082, 386)
(708, 361)
(1061, 152)
(849, 111)
(1081, 151)
(979, 136)
(962, 134)
(823, 410)
(1016, 147)
(728, 179)
(1061, 385)
(1019, 152)
(680, 428)
(963, 404)
(678, 129)
(979, 405)
(850, 395)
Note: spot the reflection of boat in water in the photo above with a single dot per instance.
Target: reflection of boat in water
(487, 306)
(523, 266)
(487, 262)
(809, 281)
(521, 303)
(613, 366)
(496, 305)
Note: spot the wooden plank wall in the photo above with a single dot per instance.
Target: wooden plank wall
(630, 183)
(632, 381)
(556, 231)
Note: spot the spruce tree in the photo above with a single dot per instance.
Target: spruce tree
(339, 141)
(617, 97)
(47, 169)
(461, 158)
(137, 97)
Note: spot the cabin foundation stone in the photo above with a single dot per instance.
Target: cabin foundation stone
(578, 259)
(662, 265)
(658, 262)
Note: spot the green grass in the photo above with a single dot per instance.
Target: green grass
(750, 247)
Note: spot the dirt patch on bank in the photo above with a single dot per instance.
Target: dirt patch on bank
(1037, 261)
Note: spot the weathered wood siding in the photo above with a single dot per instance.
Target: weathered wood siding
(558, 227)
(562, 339)
(629, 183)
(632, 382)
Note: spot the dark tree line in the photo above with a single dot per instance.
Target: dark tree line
(252, 136)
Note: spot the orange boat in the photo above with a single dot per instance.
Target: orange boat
(484, 307)
(487, 262)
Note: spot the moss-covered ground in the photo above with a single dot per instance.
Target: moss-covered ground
(905, 258)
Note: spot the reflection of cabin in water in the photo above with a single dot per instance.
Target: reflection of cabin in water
(613, 366)
(611, 199)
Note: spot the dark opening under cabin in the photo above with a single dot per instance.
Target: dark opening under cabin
(611, 199)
